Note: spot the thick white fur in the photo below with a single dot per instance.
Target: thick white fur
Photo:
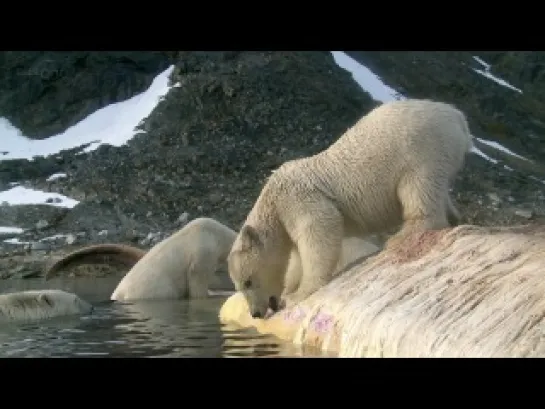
(181, 266)
(393, 167)
(40, 304)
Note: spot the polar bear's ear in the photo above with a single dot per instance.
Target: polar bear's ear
(45, 298)
(249, 237)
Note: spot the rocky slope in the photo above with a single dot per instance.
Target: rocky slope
(208, 146)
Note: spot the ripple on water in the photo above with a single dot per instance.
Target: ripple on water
(142, 329)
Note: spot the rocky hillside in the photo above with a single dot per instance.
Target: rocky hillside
(227, 120)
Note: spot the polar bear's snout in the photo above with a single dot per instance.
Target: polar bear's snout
(258, 310)
(257, 303)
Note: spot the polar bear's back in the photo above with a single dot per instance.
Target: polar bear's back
(408, 141)
(162, 272)
(406, 132)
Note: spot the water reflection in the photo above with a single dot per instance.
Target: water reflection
(165, 329)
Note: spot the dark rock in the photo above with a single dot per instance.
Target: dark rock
(28, 216)
(224, 145)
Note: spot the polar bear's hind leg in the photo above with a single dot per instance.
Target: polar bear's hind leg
(424, 200)
(453, 214)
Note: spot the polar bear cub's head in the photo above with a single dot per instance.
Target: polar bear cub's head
(63, 302)
(41, 304)
(256, 270)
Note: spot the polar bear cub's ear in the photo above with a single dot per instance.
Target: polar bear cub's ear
(249, 238)
(45, 298)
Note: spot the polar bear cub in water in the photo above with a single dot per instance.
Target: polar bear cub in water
(180, 266)
(40, 304)
(393, 168)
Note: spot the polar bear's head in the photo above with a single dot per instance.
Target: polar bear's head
(63, 301)
(40, 304)
(53, 302)
(256, 270)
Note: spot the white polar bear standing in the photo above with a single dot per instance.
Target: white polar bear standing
(40, 304)
(180, 266)
(393, 167)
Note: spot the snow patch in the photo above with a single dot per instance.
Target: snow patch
(374, 85)
(15, 241)
(56, 176)
(502, 148)
(14, 230)
(483, 155)
(486, 73)
(55, 237)
(366, 79)
(482, 62)
(20, 195)
(114, 124)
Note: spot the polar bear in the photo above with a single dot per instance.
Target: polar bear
(40, 304)
(393, 168)
(181, 266)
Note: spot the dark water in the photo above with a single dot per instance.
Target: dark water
(140, 329)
